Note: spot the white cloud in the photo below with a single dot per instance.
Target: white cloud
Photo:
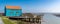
(55, 8)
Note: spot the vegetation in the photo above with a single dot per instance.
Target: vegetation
(20, 22)
(7, 21)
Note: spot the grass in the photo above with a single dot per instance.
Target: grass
(17, 21)
(7, 21)
(20, 22)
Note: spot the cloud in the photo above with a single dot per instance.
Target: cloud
(51, 8)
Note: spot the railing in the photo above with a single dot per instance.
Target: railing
(31, 20)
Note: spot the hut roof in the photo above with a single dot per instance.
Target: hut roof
(13, 7)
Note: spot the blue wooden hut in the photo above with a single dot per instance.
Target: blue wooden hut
(12, 11)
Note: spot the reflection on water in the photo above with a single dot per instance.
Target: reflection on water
(51, 19)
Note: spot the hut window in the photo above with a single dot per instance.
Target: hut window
(17, 12)
(11, 12)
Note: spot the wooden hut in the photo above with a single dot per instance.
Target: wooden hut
(12, 11)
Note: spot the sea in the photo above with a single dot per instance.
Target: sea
(50, 18)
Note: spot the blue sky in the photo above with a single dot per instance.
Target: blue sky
(33, 6)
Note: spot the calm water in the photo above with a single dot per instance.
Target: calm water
(50, 19)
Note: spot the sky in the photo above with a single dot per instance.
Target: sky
(33, 6)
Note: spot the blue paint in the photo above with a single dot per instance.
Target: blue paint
(13, 12)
